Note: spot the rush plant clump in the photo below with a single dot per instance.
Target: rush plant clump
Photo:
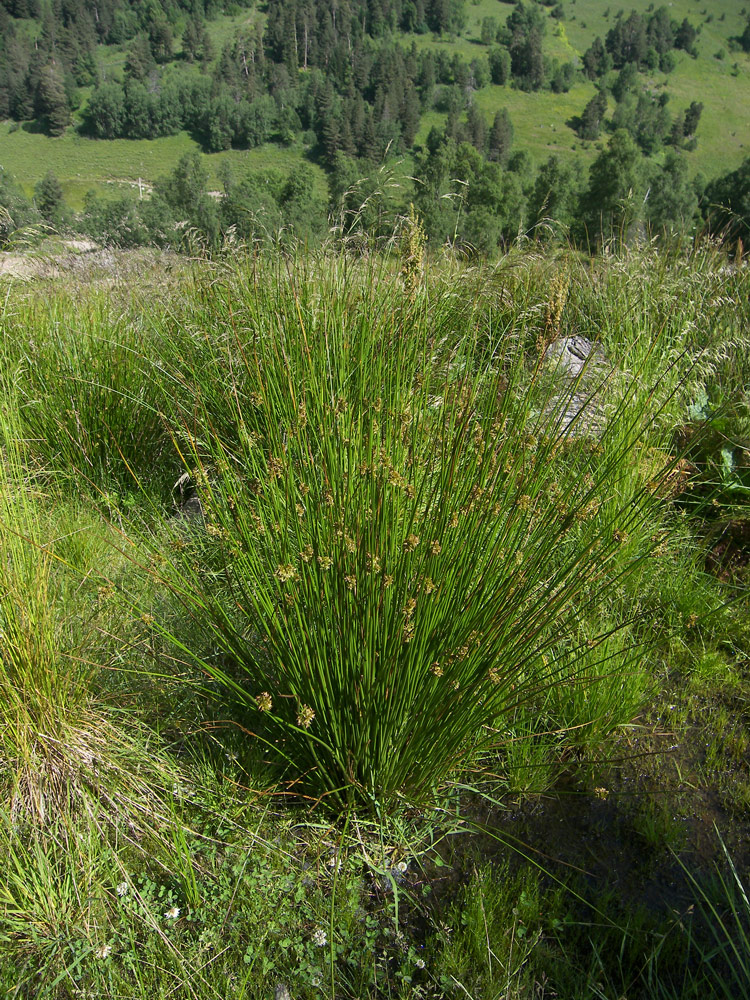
(398, 528)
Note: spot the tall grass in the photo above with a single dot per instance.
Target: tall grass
(58, 748)
(402, 530)
(408, 561)
(82, 391)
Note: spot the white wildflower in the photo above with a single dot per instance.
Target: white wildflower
(319, 938)
(121, 888)
(104, 952)
(172, 914)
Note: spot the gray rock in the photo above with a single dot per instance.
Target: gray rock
(583, 372)
(186, 500)
(574, 357)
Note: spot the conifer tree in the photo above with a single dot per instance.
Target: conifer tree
(501, 137)
(51, 99)
(48, 195)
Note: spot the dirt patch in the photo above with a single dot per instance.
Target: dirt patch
(82, 246)
(18, 266)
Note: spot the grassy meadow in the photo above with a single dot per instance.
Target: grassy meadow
(116, 165)
(351, 648)
(719, 78)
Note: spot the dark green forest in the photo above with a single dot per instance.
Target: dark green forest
(339, 77)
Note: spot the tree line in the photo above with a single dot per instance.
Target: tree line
(461, 196)
(331, 69)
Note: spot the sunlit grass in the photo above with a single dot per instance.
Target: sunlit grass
(157, 841)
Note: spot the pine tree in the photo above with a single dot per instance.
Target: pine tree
(191, 39)
(476, 127)
(160, 39)
(48, 196)
(409, 114)
(692, 117)
(686, 34)
(501, 137)
(51, 99)
(596, 60)
(591, 119)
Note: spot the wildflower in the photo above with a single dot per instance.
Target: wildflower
(325, 562)
(305, 716)
(436, 548)
(264, 702)
(411, 542)
(286, 572)
(319, 937)
(419, 963)
(401, 867)
(104, 952)
(601, 793)
(121, 888)
(172, 914)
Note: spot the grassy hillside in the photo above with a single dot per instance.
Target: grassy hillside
(719, 78)
(83, 164)
(351, 649)
(539, 119)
